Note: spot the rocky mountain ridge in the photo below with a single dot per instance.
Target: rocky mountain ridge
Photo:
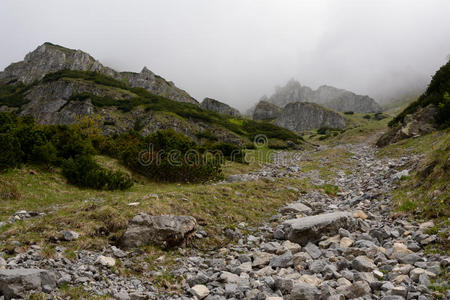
(57, 85)
(328, 96)
(48, 58)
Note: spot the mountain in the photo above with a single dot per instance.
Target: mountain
(429, 112)
(57, 85)
(328, 96)
(219, 107)
(298, 116)
(49, 58)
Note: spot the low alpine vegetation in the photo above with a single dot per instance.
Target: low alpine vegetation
(22, 141)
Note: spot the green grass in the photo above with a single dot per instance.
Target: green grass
(357, 130)
(101, 216)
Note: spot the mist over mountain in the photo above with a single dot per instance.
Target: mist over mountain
(239, 50)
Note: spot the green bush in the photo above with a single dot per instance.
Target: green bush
(13, 94)
(168, 156)
(349, 113)
(368, 117)
(11, 152)
(83, 171)
(206, 134)
(45, 154)
(277, 144)
(168, 140)
(23, 141)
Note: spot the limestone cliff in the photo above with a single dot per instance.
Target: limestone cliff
(219, 107)
(266, 111)
(49, 58)
(300, 116)
(328, 96)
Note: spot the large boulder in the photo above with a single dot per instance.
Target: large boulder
(15, 283)
(166, 231)
(219, 107)
(304, 116)
(312, 228)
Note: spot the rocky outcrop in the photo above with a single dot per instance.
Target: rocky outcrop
(16, 283)
(165, 231)
(413, 125)
(53, 103)
(266, 111)
(49, 58)
(219, 107)
(328, 96)
(303, 116)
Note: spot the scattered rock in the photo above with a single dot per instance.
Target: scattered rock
(106, 261)
(70, 235)
(200, 291)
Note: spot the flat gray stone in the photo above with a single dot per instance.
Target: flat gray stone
(312, 228)
(295, 208)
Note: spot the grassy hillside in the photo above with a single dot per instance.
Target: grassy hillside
(437, 93)
(359, 128)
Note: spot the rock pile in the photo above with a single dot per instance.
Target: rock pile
(319, 247)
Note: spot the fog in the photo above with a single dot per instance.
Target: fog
(238, 50)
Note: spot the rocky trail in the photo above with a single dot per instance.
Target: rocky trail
(348, 246)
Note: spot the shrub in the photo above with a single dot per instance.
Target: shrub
(368, 117)
(169, 140)
(83, 171)
(379, 116)
(22, 141)
(166, 156)
(277, 144)
(11, 153)
(69, 142)
(323, 130)
(349, 113)
(45, 154)
(206, 134)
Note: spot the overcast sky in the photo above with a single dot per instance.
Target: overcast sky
(238, 50)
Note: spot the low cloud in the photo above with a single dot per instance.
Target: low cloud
(236, 51)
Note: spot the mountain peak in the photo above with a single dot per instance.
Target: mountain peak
(326, 95)
(48, 58)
